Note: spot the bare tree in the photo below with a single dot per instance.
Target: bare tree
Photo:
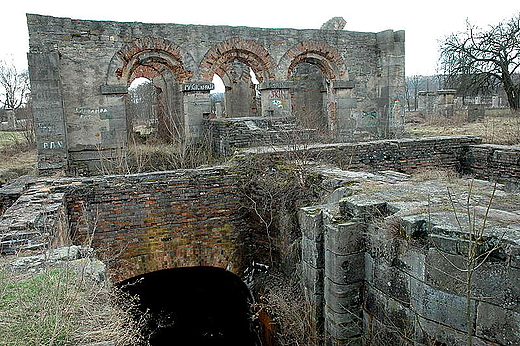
(14, 85)
(477, 59)
(412, 90)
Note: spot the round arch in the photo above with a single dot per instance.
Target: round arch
(247, 52)
(193, 305)
(149, 49)
(325, 57)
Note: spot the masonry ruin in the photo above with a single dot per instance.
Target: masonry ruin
(376, 247)
(347, 84)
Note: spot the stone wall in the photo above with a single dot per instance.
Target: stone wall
(138, 223)
(226, 135)
(386, 264)
(404, 155)
(80, 71)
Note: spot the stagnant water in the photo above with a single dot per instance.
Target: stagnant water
(194, 306)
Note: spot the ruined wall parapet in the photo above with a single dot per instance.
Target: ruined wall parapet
(494, 162)
(404, 155)
(139, 223)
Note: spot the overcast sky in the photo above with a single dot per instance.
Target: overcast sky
(425, 22)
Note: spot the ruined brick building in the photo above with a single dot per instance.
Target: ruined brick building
(343, 82)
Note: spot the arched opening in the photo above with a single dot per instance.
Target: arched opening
(142, 107)
(240, 96)
(193, 306)
(308, 95)
(154, 108)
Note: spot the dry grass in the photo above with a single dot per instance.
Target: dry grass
(289, 311)
(60, 306)
(17, 157)
(503, 130)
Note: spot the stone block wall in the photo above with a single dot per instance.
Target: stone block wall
(403, 155)
(80, 71)
(384, 271)
(229, 134)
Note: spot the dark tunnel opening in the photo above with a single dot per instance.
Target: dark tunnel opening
(193, 306)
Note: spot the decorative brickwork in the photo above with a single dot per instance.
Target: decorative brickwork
(247, 52)
(325, 57)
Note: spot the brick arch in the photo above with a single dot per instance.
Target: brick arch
(153, 51)
(248, 52)
(328, 59)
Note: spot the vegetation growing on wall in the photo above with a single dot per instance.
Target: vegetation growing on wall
(273, 189)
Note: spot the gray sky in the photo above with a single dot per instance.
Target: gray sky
(425, 22)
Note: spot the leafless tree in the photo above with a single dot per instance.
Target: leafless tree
(477, 59)
(412, 90)
(14, 85)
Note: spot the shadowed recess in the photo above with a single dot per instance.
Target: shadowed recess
(193, 306)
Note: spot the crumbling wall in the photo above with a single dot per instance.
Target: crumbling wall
(226, 135)
(403, 155)
(80, 71)
(494, 162)
(161, 220)
(386, 265)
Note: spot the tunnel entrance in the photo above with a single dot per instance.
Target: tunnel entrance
(193, 306)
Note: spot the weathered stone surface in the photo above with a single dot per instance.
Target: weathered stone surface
(345, 238)
(312, 279)
(82, 64)
(346, 327)
(343, 298)
(312, 253)
(311, 222)
(439, 306)
(344, 269)
(336, 23)
(497, 324)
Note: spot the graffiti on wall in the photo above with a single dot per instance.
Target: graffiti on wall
(52, 145)
(89, 112)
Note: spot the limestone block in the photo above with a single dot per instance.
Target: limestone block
(493, 282)
(497, 324)
(344, 269)
(439, 306)
(312, 252)
(445, 335)
(345, 238)
(362, 206)
(311, 222)
(312, 279)
(343, 326)
(342, 298)
(391, 281)
(387, 310)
